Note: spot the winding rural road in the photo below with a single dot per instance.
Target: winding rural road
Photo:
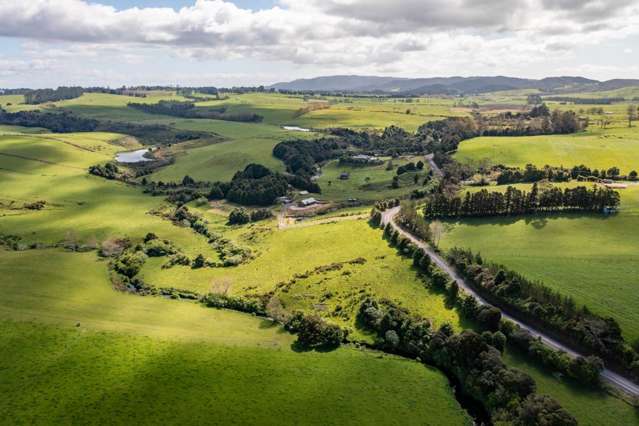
(611, 377)
(433, 166)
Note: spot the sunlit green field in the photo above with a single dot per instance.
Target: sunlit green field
(281, 254)
(80, 207)
(152, 360)
(596, 148)
(105, 357)
(592, 258)
(369, 182)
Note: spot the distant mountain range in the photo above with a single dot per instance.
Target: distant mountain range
(448, 85)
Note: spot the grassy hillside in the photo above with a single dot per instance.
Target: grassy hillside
(84, 208)
(596, 148)
(114, 358)
(292, 254)
(590, 257)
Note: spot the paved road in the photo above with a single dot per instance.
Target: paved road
(609, 376)
(433, 166)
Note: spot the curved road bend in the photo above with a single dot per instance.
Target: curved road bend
(613, 378)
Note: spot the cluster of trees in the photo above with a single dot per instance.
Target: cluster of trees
(532, 173)
(108, 171)
(444, 136)
(240, 216)
(315, 333)
(301, 155)
(229, 253)
(255, 185)
(410, 220)
(410, 167)
(66, 122)
(507, 394)
(156, 247)
(236, 303)
(516, 202)
(538, 121)
(547, 310)
(585, 101)
(189, 110)
(40, 96)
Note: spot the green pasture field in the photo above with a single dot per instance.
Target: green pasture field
(247, 143)
(282, 255)
(590, 257)
(595, 148)
(80, 207)
(377, 187)
(76, 351)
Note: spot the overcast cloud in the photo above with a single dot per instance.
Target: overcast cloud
(85, 42)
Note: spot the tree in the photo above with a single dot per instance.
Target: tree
(199, 262)
(632, 175)
(632, 114)
(239, 216)
(389, 165)
(395, 183)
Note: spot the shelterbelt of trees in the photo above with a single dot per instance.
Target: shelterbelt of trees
(548, 310)
(189, 110)
(531, 174)
(517, 202)
(67, 122)
(40, 96)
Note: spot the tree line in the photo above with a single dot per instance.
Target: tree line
(585, 370)
(40, 96)
(531, 173)
(517, 202)
(67, 122)
(189, 110)
(255, 185)
(548, 310)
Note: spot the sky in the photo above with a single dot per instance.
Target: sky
(48, 43)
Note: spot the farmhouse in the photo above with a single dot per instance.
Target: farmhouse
(307, 202)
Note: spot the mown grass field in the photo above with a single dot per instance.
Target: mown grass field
(75, 351)
(595, 148)
(592, 258)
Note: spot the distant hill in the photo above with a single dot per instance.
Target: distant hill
(448, 85)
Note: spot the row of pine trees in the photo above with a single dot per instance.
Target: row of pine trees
(517, 202)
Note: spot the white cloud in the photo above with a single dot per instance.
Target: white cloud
(415, 37)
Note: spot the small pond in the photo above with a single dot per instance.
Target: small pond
(133, 156)
(295, 129)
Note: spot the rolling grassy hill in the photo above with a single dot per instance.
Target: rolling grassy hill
(76, 351)
(596, 148)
